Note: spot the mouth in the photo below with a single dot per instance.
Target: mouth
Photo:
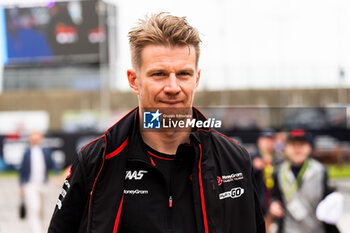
(171, 102)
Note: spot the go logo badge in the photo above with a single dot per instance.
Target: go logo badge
(233, 193)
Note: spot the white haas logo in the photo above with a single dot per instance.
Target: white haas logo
(135, 175)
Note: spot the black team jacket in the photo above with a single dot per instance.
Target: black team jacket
(224, 194)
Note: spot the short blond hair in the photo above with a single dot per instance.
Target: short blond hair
(162, 29)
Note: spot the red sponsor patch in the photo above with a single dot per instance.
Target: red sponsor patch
(219, 180)
(69, 173)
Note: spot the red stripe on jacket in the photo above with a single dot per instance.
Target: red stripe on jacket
(117, 219)
(159, 156)
(204, 212)
(118, 150)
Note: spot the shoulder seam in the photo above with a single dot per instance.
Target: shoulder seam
(91, 142)
(121, 119)
(223, 135)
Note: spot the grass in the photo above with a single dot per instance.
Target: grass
(339, 171)
(8, 174)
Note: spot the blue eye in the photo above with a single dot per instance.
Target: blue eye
(183, 74)
(158, 74)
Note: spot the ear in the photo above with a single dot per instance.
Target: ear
(197, 79)
(133, 82)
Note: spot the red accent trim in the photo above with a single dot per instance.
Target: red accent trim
(118, 150)
(199, 112)
(69, 173)
(158, 156)
(117, 219)
(205, 219)
(153, 163)
(198, 129)
(91, 142)
(226, 137)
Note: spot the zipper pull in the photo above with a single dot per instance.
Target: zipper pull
(170, 201)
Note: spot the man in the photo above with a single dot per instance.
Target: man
(300, 185)
(137, 180)
(33, 177)
(264, 162)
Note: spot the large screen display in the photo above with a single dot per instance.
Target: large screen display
(58, 32)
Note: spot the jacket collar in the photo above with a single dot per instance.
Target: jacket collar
(120, 131)
(128, 128)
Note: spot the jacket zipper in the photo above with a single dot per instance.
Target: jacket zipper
(169, 191)
(161, 174)
(170, 201)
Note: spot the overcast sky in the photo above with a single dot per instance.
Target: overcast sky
(257, 43)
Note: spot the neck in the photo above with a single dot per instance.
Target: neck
(297, 165)
(165, 142)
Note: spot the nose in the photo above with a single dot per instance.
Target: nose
(172, 87)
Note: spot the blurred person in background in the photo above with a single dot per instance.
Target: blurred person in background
(134, 180)
(280, 142)
(3, 165)
(301, 183)
(33, 173)
(264, 161)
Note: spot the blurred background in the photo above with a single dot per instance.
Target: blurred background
(265, 64)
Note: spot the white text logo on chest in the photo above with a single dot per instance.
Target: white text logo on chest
(234, 193)
(229, 178)
(136, 175)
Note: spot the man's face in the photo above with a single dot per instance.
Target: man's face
(167, 77)
(35, 138)
(266, 144)
(298, 151)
